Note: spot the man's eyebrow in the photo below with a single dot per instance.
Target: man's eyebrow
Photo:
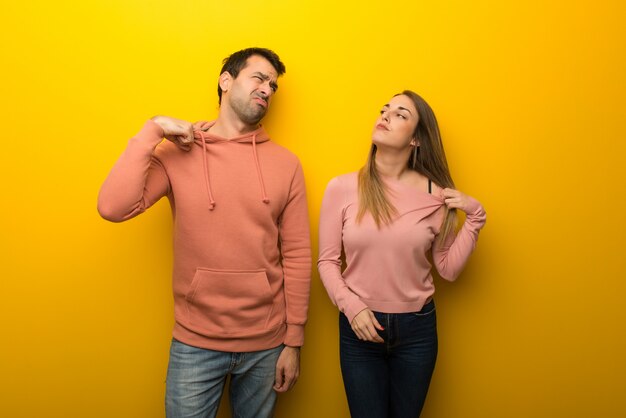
(262, 75)
(266, 77)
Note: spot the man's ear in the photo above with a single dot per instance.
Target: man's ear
(225, 81)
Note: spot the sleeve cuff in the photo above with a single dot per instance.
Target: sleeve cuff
(294, 337)
(478, 217)
(354, 308)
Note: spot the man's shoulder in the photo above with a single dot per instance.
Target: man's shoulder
(280, 152)
(167, 149)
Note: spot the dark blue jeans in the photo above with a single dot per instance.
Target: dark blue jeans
(390, 379)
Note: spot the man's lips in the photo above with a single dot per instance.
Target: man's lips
(261, 101)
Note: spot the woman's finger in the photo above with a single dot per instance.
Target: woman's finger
(373, 335)
(375, 321)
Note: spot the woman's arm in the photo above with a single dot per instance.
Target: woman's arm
(330, 242)
(451, 256)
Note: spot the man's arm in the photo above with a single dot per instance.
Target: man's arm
(296, 261)
(138, 179)
(295, 247)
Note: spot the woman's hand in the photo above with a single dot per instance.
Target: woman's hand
(364, 325)
(454, 199)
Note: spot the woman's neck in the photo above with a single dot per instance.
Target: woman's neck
(392, 164)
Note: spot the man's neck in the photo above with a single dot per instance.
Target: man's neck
(228, 125)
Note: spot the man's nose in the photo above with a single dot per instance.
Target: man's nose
(265, 89)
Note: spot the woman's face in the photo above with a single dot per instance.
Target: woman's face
(396, 124)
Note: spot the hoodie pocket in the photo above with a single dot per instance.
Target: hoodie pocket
(229, 301)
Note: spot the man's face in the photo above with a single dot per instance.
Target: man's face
(250, 93)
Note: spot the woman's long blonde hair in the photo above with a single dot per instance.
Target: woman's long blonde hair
(428, 159)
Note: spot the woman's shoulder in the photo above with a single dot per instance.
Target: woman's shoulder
(345, 181)
(416, 182)
(352, 177)
(344, 185)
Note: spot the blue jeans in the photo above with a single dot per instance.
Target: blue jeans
(196, 377)
(390, 379)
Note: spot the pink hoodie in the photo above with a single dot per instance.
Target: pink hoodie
(242, 259)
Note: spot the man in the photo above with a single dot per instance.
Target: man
(242, 257)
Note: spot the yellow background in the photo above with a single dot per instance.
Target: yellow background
(531, 101)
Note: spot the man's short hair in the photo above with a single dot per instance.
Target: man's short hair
(237, 62)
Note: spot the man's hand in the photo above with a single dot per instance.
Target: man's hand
(287, 369)
(178, 131)
(201, 125)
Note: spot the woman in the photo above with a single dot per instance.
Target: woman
(391, 218)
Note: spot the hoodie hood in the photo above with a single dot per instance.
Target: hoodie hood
(259, 135)
(204, 139)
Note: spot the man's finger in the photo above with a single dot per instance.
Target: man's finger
(186, 135)
(290, 380)
(190, 137)
(280, 378)
(199, 125)
(287, 382)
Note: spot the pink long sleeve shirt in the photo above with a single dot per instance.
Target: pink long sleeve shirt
(388, 269)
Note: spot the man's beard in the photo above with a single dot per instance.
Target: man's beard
(249, 113)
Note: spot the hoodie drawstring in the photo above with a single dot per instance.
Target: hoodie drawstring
(207, 180)
(258, 170)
